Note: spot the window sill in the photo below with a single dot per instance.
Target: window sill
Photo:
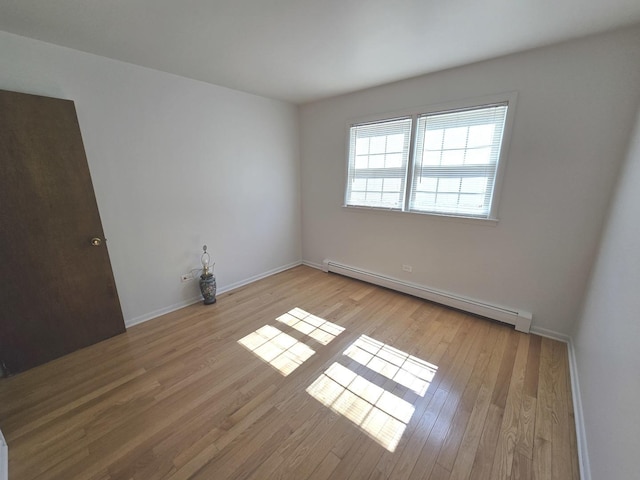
(490, 222)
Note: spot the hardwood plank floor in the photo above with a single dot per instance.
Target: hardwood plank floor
(302, 375)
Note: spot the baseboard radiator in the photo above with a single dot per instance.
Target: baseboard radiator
(520, 319)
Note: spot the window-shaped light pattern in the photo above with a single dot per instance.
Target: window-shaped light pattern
(379, 413)
(284, 352)
(402, 368)
(317, 328)
(275, 347)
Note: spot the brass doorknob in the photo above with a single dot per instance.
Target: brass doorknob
(96, 242)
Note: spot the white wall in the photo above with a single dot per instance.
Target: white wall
(606, 337)
(576, 103)
(175, 164)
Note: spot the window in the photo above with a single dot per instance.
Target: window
(445, 162)
(378, 155)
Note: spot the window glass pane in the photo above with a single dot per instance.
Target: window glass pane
(389, 198)
(362, 161)
(362, 146)
(449, 185)
(453, 157)
(373, 197)
(433, 139)
(474, 185)
(431, 158)
(392, 185)
(376, 161)
(378, 144)
(426, 184)
(394, 160)
(359, 184)
(425, 200)
(472, 201)
(395, 143)
(374, 185)
(479, 156)
(447, 199)
(455, 137)
(480, 135)
(358, 198)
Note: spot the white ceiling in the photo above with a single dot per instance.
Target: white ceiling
(303, 50)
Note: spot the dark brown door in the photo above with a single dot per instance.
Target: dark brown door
(57, 292)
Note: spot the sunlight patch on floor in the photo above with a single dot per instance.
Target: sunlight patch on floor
(281, 351)
(317, 328)
(379, 413)
(402, 368)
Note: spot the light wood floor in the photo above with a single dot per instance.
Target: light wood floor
(303, 375)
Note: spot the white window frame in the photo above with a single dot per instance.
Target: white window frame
(383, 173)
(467, 104)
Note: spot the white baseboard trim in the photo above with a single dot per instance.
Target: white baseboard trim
(516, 317)
(318, 266)
(581, 434)
(161, 311)
(552, 334)
(4, 458)
(260, 276)
(583, 451)
(177, 306)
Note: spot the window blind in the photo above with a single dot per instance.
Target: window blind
(378, 159)
(456, 160)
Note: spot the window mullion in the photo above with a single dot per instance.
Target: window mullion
(408, 185)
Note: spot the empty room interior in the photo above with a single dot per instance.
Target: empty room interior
(319, 240)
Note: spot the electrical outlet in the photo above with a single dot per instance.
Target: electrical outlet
(407, 268)
(186, 277)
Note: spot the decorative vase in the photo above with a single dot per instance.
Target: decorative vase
(208, 288)
(207, 279)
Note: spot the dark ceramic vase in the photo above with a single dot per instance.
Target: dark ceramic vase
(208, 288)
